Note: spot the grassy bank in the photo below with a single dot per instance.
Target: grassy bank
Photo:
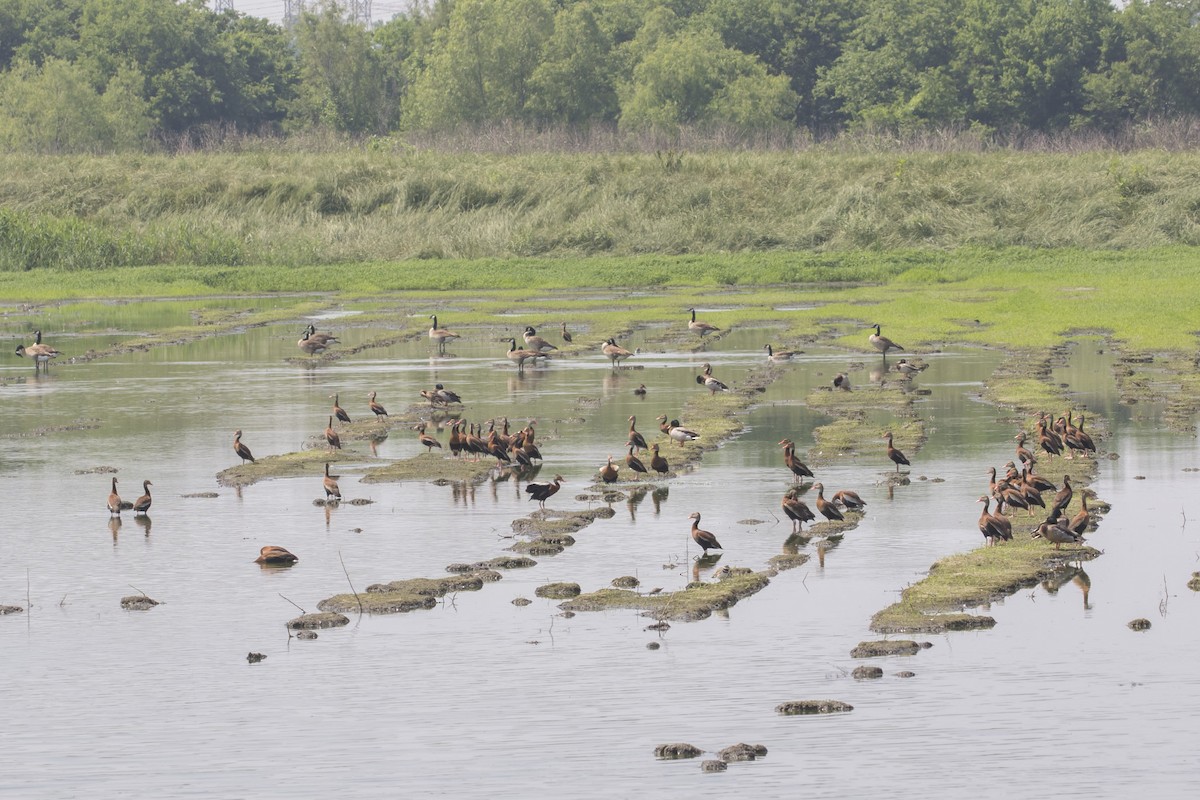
(359, 206)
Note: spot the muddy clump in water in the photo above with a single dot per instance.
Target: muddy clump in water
(254, 658)
(799, 707)
(138, 602)
(711, 765)
(896, 647)
(788, 561)
(521, 601)
(558, 591)
(491, 565)
(1194, 583)
(866, 673)
(200, 495)
(1140, 624)
(678, 750)
(626, 582)
(400, 597)
(10, 610)
(742, 752)
(316, 621)
(695, 602)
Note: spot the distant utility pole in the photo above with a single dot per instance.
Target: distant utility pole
(359, 11)
(220, 6)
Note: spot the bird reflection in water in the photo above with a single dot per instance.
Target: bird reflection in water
(793, 543)
(634, 500)
(824, 546)
(1068, 574)
(114, 525)
(144, 522)
(462, 492)
(659, 496)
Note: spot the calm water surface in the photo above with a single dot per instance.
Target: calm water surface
(482, 698)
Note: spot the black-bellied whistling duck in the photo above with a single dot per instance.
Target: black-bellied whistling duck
(640, 391)
(1056, 532)
(1082, 519)
(991, 528)
(706, 539)
(518, 456)
(311, 346)
(635, 463)
(1002, 523)
(535, 342)
(544, 491)
(497, 449)
(780, 355)
(331, 485)
(338, 411)
(1038, 482)
(1078, 440)
(1024, 455)
(447, 396)
(440, 336)
(635, 438)
(142, 504)
(702, 328)
(270, 554)
(331, 436)
(321, 338)
(663, 424)
(474, 443)
(566, 335)
(1063, 498)
(456, 441)
(114, 499)
(608, 473)
(429, 442)
(895, 455)
(796, 510)
(798, 468)
(657, 462)
(827, 509)
(849, 500)
(376, 409)
(841, 381)
(615, 352)
(882, 343)
(519, 356)
(242, 451)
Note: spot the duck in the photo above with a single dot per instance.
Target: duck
(1003, 524)
(445, 395)
(456, 440)
(41, 354)
(657, 462)
(798, 468)
(114, 500)
(566, 335)
(608, 473)
(707, 380)
(635, 463)
(242, 451)
(681, 434)
(1079, 523)
(271, 554)
(322, 338)
(440, 336)
(338, 411)
(989, 526)
(142, 504)
(376, 409)
(635, 438)
(827, 509)
(614, 352)
(841, 381)
(432, 397)
(906, 368)
(780, 355)
(706, 539)
(425, 439)
(796, 510)
(544, 491)
(311, 346)
(474, 443)
(497, 449)
(520, 356)
(1063, 498)
(1048, 440)
(331, 436)
(640, 391)
(702, 328)
(849, 500)
(1057, 532)
(535, 342)
(882, 343)
(1024, 454)
(331, 485)
(1078, 440)
(895, 455)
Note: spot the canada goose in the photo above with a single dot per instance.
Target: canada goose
(520, 356)
(882, 343)
(702, 328)
(114, 500)
(544, 491)
(242, 451)
(338, 411)
(635, 438)
(841, 381)
(566, 335)
(440, 335)
(331, 436)
(320, 338)
(706, 539)
(895, 455)
(271, 554)
(142, 504)
(425, 439)
(614, 352)
(376, 409)
(781, 355)
(311, 346)
(657, 462)
(535, 342)
(331, 484)
(41, 354)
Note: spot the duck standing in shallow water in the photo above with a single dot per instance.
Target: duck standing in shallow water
(271, 554)
(114, 500)
(895, 455)
(142, 504)
(702, 328)
(706, 539)
(882, 343)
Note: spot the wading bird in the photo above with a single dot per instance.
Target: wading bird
(142, 504)
(331, 485)
(882, 343)
(895, 455)
(242, 451)
(615, 352)
(440, 336)
(702, 328)
(544, 491)
(376, 409)
(706, 539)
(338, 411)
(114, 500)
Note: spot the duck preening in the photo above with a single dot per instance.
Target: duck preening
(780, 355)
(882, 343)
(142, 504)
(796, 510)
(895, 455)
(535, 342)
(1058, 532)
(702, 328)
(706, 539)
(242, 451)
(849, 500)
(338, 411)
(608, 473)
(376, 409)
(331, 485)
(440, 336)
(270, 554)
(615, 352)
(519, 355)
(114, 500)
(841, 381)
(798, 468)
(543, 491)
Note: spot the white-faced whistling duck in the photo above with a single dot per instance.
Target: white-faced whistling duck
(376, 409)
(311, 346)
(270, 554)
(320, 338)
(706, 539)
(429, 442)
(827, 509)
(1056, 532)
(535, 342)
(142, 504)
(331, 437)
(615, 352)
(1063, 498)
(338, 411)
(608, 473)
(657, 462)
(519, 356)
(331, 484)
(849, 500)
(635, 438)
(895, 455)
(796, 510)
(446, 395)
(882, 343)
(641, 390)
(566, 335)
(114, 500)
(242, 451)
(780, 355)
(702, 328)
(635, 463)
(440, 336)
(841, 381)
(544, 491)
(680, 433)
(798, 468)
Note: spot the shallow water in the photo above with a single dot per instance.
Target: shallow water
(482, 698)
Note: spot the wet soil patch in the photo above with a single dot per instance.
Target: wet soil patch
(318, 621)
(894, 647)
(558, 591)
(138, 602)
(399, 597)
(742, 752)
(4, 610)
(694, 602)
(677, 750)
(802, 707)
(866, 673)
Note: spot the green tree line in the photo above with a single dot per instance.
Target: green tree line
(107, 75)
